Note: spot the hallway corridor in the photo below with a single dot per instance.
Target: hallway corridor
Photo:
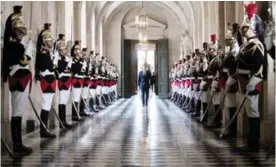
(126, 135)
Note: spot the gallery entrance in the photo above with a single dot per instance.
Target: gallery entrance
(146, 55)
(134, 55)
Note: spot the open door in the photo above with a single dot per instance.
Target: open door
(162, 67)
(126, 65)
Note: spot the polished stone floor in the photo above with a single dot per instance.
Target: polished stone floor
(126, 135)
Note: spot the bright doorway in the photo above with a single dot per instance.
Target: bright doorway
(146, 55)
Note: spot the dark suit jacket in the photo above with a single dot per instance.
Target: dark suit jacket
(144, 80)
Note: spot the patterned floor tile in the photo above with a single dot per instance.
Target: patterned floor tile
(127, 135)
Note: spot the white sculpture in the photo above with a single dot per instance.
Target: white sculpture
(186, 46)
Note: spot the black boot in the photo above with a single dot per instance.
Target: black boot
(44, 115)
(103, 100)
(204, 107)
(99, 105)
(62, 116)
(197, 109)
(74, 112)
(107, 99)
(186, 104)
(82, 108)
(217, 121)
(192, 106)
(92, 105)
(254, 134)
(178, 99)
(233, 126)
(18, 147)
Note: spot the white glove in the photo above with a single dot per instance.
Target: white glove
(29, 49)
(213, 89)
(251, 86)
(227, 88)
(195, 86)
(202, 84)
(231, 81)
(214, 84)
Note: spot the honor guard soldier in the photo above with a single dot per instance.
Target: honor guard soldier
(203, 76)
(105, 80)
(177, 82)
(77, 81)
(16, 70)
(229, 66)
(173, 73)
(182, 83)
(192, 75)
(179, 74)
(60, 38)
(187, 80)
(214, 70)
(45, 73)
(116, 82)
(196, 83)
(114, 76)
(63, 70)
(94, 83)
(250, 75)
(98, 72)
(85, 89)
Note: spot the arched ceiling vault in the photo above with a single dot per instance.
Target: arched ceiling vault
(183, 11)
(179, 12)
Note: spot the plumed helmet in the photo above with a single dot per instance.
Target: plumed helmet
(213, 44)
(61, 36)
(61, 45)
(14, 21)
(76, 48)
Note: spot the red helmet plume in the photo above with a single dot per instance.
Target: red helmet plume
(213, 38)
(250, 9)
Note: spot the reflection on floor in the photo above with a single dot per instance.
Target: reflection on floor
(127, 135)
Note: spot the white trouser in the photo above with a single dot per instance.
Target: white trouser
(188, 91)
(251, 105)
(191, 93)
(76, 92)
(19, 102)
(216, 98)
(85, 93)
(47, 99)
(104, 90)
(197, 94)
(64, 96)
(204, 96)
(99, 88)
(115, 89)
(93, 92)
(230, 100)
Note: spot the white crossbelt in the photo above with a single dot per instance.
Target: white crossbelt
(199, 77)
(225, 70)
(64, 75)
(47, 72)
(241, 71)
(78, 76)
(16, 67)
(210, 76)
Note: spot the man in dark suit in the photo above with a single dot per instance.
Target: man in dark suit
(144, 79)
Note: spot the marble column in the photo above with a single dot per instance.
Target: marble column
(93, 30)
(88, 29)
(77, 20)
